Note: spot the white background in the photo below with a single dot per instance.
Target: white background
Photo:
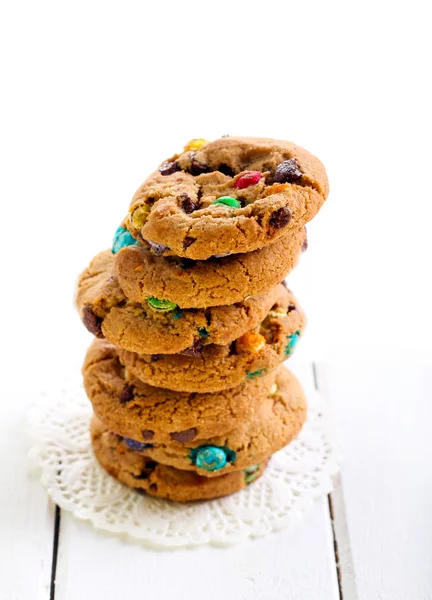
(95, 94)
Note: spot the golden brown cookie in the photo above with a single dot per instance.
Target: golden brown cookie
(275, 423)
(149, 414)
(213, 368)
(147, 329)
(217, 281)
(138, 471)
(230, 196)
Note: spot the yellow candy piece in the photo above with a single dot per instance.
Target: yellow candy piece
(139, 216)
(273, 390)
(276, 314)
(195, 145)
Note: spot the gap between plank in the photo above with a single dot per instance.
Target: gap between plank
(341, 544)
(335, 547)
(331, 511)
(55, 551)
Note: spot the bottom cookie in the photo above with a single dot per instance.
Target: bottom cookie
(275, 422)
(141, 472)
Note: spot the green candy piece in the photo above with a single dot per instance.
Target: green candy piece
(178, 314)
(161, 305)
(228, 201)
(203, 332)
(254, 374)
(250, 473)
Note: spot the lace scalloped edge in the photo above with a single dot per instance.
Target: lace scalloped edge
(59, 424)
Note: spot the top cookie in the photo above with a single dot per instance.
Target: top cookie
(233, 195)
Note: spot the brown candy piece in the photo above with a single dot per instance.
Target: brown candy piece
(127, 394)
(195, 350)
(169, 167)
(158, 249)
(188, 241)
(92, 322)
(197, 167)
(281, 217)
(147, 434)
(184, 436)
(188, 205)
(226, 170)
(287, 172)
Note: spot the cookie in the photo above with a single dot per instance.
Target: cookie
(214, 368)
(275, 422)
(230, 196)
(198, 284)
(147, 328)
(137, 471)
(149, 414)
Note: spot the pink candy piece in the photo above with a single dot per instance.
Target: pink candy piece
(248, 178)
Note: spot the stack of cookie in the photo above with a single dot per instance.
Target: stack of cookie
(192, 322)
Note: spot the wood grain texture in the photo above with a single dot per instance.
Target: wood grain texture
(294, 564)
(380, 508)
(383, 517)
(26, 514)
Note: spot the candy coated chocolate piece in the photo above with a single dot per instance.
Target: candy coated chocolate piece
(228, 201)
(161, 305)
(210, 458)
(134, 445)
(123, 238)
(247, 179)
(292, 343)
(287, 172)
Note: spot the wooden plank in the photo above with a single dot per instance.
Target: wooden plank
(383, 417)
(295, 564)
(26, 514)
(342, 543)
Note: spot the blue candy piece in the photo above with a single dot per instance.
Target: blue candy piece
(134, 445)
(292, 342)
(212, 458)
(122, 238)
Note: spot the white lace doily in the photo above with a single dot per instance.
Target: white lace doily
(294, 477)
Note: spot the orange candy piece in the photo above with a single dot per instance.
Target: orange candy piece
(276, 188)
(250, 342)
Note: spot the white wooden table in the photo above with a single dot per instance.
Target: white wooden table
(371, 539)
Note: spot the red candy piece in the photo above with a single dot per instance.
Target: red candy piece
(248, 178)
